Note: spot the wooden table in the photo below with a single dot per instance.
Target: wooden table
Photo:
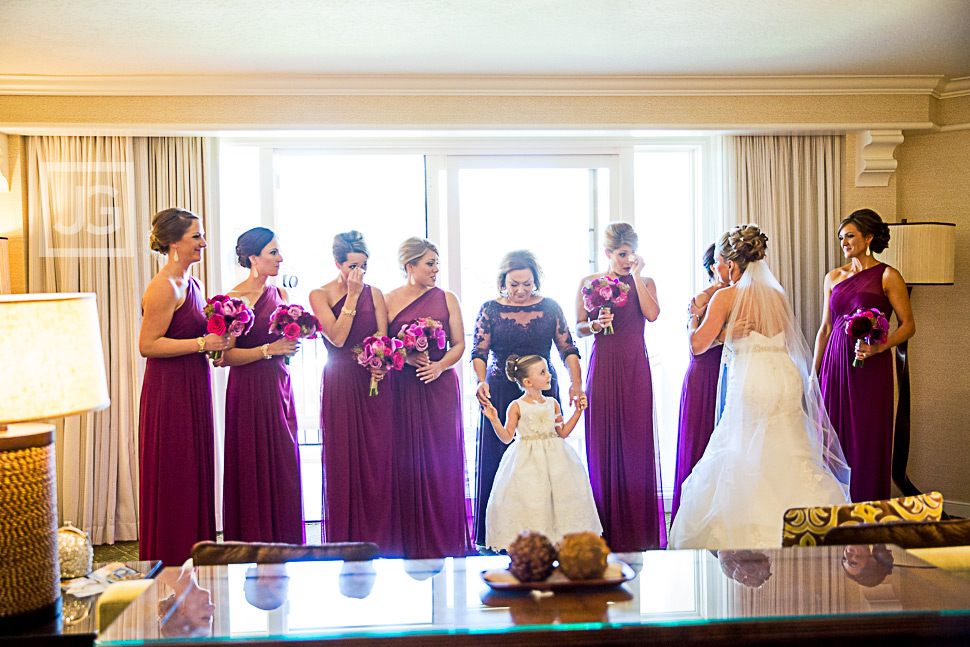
(677, 597)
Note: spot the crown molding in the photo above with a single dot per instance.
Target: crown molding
(481, 85)
(956, 88)
(874, 156)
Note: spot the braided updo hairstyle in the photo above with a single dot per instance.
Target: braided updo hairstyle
(251, 243)
(168, 227)
(743, 244)
(869, 223)
(517, 368)
(351, 242)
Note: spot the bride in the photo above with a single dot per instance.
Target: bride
(773, 447)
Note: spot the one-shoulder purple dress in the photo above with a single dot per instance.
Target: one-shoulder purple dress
(429, 472)
(620, 445)
(698, 410)
(859, 400)
(176, 445)
(262, 494)
(357, 448)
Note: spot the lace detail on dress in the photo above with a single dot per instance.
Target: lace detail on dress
(524, 330)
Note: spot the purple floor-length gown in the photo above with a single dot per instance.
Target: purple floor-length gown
(859, 400)
(429, 473)
(262, 495)
(500, 331)
(357, 442)
(620, 444)
(176, 444)
(698, 410)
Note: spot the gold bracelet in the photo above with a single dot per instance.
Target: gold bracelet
(201, 342)
(348, 312)
(592, 323)
(265, 349)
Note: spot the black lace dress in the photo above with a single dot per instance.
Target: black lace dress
(501, 331)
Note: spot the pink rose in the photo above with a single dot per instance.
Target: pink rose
(621, 299)
(397, 361)
(605, 292)
(217, 326)
(409, 340)
(292, 331)
(588, 303)
(237, 328)
(364, 357)
(295, 311)
(376, 362)
(421, 344)
(377, 345)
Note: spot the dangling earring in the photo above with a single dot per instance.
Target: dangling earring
(411, 279)
(868, 253)
(340, 278)
(176, 256)
(255, 272)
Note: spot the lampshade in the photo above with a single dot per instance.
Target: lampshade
(4, 266)
(50, 351)
(923, 252)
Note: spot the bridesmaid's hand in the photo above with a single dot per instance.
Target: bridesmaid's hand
(429, 372)
(864, 350)
(605, 317)
(637, 265)
(582, 402)
(355, 282)
(575, 392)
(378, 374)
(218, 342)
(284, 347)
(483, 394)
(417, 360)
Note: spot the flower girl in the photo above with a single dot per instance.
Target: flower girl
(540, 484)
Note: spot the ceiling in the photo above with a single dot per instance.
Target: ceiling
(475, 37)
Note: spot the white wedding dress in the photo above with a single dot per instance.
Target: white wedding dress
(540, 484)
(772, 448)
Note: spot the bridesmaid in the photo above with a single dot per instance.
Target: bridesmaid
(429, 444)
(620, 442)
(698, 399)
(356, 427)
(523, 322)
(176, 445)
(262, 495)
(859, 400)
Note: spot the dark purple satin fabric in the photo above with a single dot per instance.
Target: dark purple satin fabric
(262, 493)
(176, 445)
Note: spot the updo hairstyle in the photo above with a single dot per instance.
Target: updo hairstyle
(869, 223)
(251, 243)
(411, 251)
(619, 234)
(743, 244)
(521, 259)
(351, 242)
(168, 227)
(707, 260)
(517, 368)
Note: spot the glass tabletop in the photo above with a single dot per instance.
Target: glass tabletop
(385, 598)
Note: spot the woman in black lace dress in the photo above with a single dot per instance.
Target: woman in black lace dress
(520, 322)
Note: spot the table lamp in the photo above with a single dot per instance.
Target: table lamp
(924, 253)
(51, 365)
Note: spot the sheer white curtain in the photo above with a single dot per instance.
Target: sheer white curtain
(791, 187)
(181, 172)
(80, 212)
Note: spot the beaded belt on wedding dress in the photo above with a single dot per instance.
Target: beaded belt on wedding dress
(538, 436)
(758, 348)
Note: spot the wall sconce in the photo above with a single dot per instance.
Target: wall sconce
(52, 366)
(924, 253)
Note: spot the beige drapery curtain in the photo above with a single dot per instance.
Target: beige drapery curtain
(80, 213)
(791, 187)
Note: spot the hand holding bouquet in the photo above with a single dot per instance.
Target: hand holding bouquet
(604, 293)
(293, 322)
(227, 316)
(381, 354)
(419, 334)
(868, 325)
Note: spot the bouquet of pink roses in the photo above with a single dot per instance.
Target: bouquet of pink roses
(418, 335)
(227, 316)
(868, 325)
(379, 352)
(604, 293)
(293, 322)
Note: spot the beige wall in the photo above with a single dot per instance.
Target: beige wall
(933, 183)
(12, 215)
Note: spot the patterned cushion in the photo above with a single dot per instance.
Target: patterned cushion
(807, 526)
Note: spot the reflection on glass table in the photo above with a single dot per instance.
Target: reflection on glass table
(681, 594)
